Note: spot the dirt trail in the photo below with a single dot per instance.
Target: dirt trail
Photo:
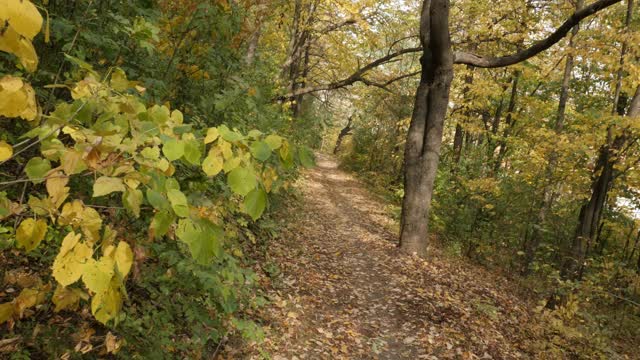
(345, 292)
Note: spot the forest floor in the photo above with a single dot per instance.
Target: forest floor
(346, 292)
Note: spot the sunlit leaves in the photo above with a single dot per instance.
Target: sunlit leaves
(17, 98)
(30, 233)
(241, 181)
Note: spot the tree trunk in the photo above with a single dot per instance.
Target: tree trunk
(591, 212)
(459, 134)
(343, 133)
(530, 245)
(422, 151)
(509, 123)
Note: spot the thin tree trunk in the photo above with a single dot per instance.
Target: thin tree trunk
(459, 134)
(530, 245)
(343, 133)
(422, 150)
(591, 212)
(509, 123)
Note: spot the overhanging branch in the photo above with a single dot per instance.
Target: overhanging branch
(538, 47)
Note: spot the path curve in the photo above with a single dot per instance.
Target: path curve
(346, 292)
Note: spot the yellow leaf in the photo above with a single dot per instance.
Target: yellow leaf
(17, 98)
(72, 162)
(106, 305)
(225, 148)
(6, 151)
(65, 298)
(177, 117)
(22, 15)
(212, 164)
(70, 262)
(68, 243)
(30, 233)
(212, 135)
(71, 213)
(97, 274)
(106, 185)
(28, 298)
(124, 258)
(14, 43)
(119, 80)
(56, 187)
(90, 223)
(6, 312)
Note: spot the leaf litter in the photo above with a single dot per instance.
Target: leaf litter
(345, 291)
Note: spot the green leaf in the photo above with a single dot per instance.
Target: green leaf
(178, 202)
(306, 157)
(254, 203)
(202, 237)
(157, 200)
(228, 134)
(37, 168)
(260, 150)
(241, 180)
(192, 152)
(160, 223)
(274, 141)
(106, 185)
(132, 199)
(173, 149)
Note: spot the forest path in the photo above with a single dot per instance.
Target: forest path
(346, 292)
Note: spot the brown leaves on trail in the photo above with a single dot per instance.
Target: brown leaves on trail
(345, 291)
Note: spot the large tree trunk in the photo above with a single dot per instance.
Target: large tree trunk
(422, 151)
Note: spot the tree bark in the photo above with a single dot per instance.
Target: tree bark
(530, 245)
(343, 133)
(591, 212)
(422, 151)
(509, 123)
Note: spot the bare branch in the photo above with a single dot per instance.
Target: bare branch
(357, 76)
